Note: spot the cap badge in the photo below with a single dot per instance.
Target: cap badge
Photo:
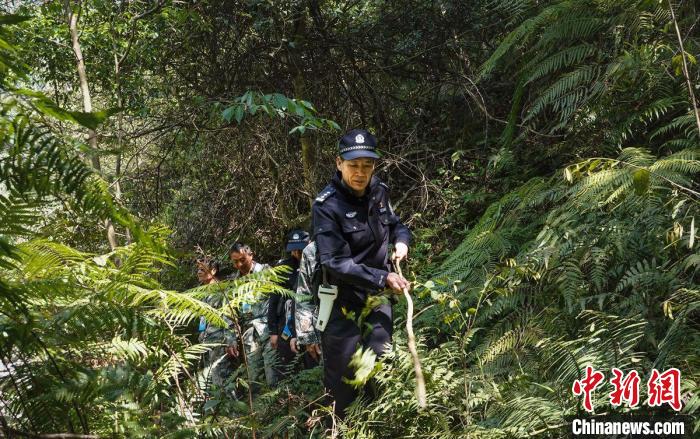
(360, 138)
(351, 214)
(295, 236)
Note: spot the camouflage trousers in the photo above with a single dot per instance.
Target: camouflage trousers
(262, 362)
(261, 358)
(218, 367)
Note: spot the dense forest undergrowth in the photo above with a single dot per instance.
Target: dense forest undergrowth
(545, 155)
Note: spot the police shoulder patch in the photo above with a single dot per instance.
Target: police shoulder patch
(323, 196)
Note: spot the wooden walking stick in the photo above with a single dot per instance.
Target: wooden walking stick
(420, 381)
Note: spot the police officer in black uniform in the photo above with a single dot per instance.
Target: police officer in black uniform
(280, 313)
(354, 224)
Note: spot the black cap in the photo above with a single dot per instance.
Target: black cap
(356, 144)
(297, 239)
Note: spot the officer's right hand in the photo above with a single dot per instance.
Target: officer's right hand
(397, 283)
(273, 341)
(314, 349)
(232, 351)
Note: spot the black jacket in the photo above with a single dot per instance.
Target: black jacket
(352, 234)
(275, 310)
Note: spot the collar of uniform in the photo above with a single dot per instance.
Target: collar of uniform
(342, 187)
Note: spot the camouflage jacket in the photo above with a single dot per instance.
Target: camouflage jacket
(214, 334)
(255, 314)
(305, 310)
(251, 315)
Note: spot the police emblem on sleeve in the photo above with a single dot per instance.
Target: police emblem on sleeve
(351, 214)
(360, 138)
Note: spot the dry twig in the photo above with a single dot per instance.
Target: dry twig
(420, 381)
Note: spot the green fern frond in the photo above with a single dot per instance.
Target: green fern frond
(684, 123)
(566, 58)
(521, 35)
(566, 93)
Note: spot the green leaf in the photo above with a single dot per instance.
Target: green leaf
(211, 404)
(92, 120)
(13, 19)
(47, 107)
(279, 100)
(227, 114)
(300, 128)
(641, 181)
(365, 364)
(299, 110)
(239, 114)
(291, 106)
(308, 105)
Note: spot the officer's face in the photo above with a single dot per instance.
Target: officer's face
(242, 261)
(356, 173)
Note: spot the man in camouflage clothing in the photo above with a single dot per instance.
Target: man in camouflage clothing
(306, 309)
(218, 364)
(260, 355)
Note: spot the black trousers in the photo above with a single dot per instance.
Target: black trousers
(285, 356)
(341, 339)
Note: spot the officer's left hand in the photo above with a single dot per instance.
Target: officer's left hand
(400, 252)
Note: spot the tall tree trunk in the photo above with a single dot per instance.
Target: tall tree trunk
(72, 19)
(308, 150)
(120, 138)
(686, 72)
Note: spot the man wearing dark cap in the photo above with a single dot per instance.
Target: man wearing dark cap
(280, 314)
(354, 224)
